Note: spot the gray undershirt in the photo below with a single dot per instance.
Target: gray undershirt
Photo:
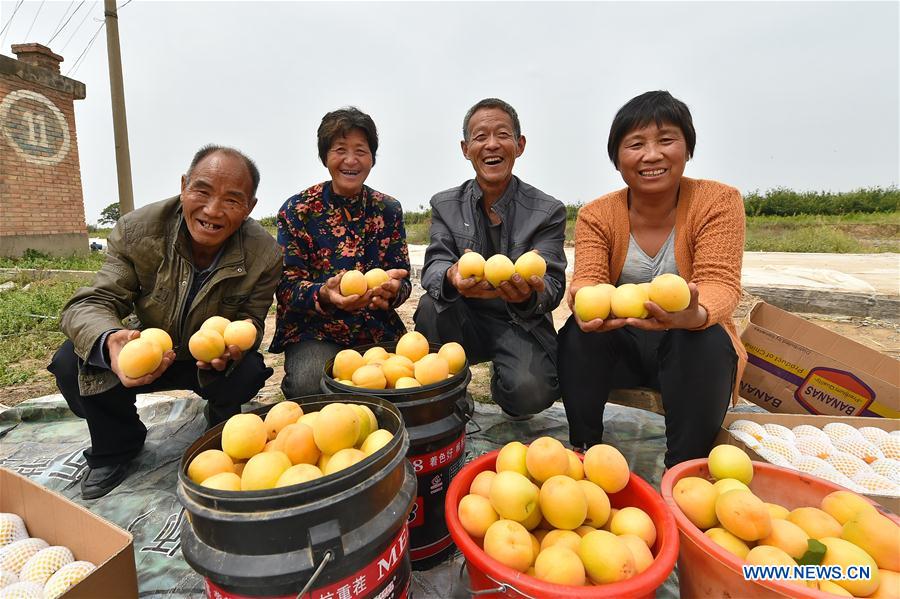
(641, 268)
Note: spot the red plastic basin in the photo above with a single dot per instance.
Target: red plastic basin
(486, 573)
(707, 570)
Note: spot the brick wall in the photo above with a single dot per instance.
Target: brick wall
(41, 201)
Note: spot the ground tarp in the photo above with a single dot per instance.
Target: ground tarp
(43, 440)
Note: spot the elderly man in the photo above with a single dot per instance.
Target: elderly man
(497, 213)
(172, 264)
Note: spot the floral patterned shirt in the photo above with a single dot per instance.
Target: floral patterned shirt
(324, 234)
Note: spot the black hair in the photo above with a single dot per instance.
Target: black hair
(339, 123)
(656, 106)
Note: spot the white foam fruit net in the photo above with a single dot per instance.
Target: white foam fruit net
(873, 434)
(859, 447)
(7, 578)
(875, 484)
(814, 446)
(12, 529)
(22, 590)
(847, 464)
(14, 555)
(838, 430)
(782, 432)
(810, 464)
(749, 427)
(888, 468)
(784, 448)
(45, 563)
(890, 446)
(746, 438)
(67, 577)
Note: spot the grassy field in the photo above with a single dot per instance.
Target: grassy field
(849, 233)
(37, 260)
(29, 328)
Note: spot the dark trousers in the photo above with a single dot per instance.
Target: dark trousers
(693, 370)
(117, 433)
(523, 380)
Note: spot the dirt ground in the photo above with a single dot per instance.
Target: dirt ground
(881, 335)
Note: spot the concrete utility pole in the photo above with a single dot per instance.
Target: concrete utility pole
(117, 93)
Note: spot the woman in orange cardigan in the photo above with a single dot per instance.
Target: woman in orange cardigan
(662, 222)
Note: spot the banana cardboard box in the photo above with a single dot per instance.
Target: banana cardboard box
(58, 521)
(797, 367)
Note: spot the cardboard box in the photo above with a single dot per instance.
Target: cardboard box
(796, 367)
(58, 521)
(791, 420)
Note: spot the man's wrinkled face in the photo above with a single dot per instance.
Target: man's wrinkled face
(492, 147)
(216, 199)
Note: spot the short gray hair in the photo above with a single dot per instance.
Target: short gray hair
(492, 103)
(212, 149)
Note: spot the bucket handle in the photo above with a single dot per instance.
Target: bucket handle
(501, 588)
(315, 575)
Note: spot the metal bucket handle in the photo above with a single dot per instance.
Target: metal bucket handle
(502, 587)
(315, 575)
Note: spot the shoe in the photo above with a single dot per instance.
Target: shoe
(513, 418)
(97, 482)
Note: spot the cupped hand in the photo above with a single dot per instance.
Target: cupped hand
(600, 325)
(116, 341)
(330, 295)
(387, 291)
(518, 289)
(692, 317)
(469, 287)
(232, 353)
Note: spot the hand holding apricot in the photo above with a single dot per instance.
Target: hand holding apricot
(387, 290)
(331, 293)
(134, 370)
(467, 276)
(692, 317)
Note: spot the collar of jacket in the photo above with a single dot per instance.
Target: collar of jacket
(502, 204)
(232, 252)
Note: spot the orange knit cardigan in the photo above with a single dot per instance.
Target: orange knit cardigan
(709, 248)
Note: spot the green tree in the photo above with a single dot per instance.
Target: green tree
(109, 215)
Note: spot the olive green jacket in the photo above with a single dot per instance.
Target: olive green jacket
(148, 273)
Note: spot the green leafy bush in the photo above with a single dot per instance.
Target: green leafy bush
(786, 202)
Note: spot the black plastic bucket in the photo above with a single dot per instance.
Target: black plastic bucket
(435, 417)
(345, 534)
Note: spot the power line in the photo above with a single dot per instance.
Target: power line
(66, 24)
(77, 62)
(124, 5)
(87, 13)
(4, 31)
(25, 39)
(56, 27)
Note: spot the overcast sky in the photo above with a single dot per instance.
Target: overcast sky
(803, 95)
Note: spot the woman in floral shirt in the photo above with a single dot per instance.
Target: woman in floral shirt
(326, 230)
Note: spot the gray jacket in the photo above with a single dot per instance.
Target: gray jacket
(148, 273)
(531, 219)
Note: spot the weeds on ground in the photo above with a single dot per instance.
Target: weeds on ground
(29, 327)
(806, 239)
(34, 259)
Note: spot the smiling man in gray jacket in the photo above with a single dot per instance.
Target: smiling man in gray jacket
(172, 264)
(497, 213)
